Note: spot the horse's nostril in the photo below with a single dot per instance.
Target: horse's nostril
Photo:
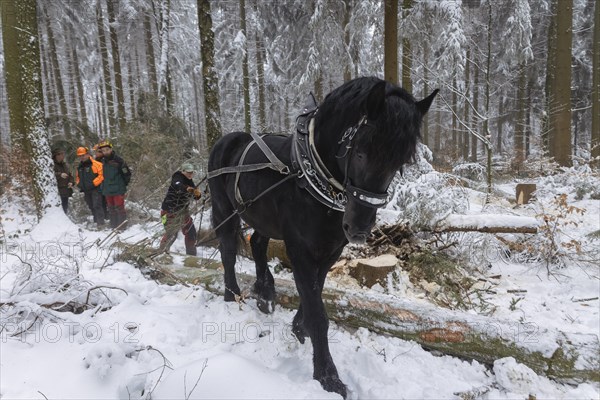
(346, 227)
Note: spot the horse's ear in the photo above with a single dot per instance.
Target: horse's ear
(423, 105)
(375, 100)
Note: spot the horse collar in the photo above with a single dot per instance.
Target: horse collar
(317, 179)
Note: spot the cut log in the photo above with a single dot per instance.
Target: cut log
(561, 356)
(488, 223)
(525, 192)
(369, 271)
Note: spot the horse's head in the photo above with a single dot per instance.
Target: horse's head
(379, 127)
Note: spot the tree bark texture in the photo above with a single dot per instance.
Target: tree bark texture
(390, 41)
(106, 70)
(595, 145)
(114, 43)
(26, 105)
(210, 81)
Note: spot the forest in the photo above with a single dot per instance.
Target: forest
(518, 79)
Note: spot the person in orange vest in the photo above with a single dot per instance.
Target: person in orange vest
(98, 157)
(88, 179)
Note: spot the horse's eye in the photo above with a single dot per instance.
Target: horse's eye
(361, 156)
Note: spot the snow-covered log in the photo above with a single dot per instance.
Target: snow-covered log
(561, 356)
(488, 223)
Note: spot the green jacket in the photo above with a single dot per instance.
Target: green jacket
(116, 175)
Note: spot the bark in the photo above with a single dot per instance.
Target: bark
(209, 76)
(131, 86)
(406, 51)
(464, 145)
(595, 144)
(60, 89)
(260, 72)
(475, 122)
(519, 139)
(26, 106)
(245, 73)
(347, 4)
(49, 96)
(106, 71)
(560, 117)
(164, 92)
(114, 43)
(79, 82)
(150, 58)
(488, 71)
(390, 41)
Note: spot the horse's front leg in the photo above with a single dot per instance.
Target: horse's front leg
(309, 281)
(264, 287)
(227, 234)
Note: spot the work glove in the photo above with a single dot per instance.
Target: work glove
(197, 194)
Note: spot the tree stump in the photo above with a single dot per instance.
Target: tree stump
(525, 192)
(369, 271)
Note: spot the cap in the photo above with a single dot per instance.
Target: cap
(187, 167)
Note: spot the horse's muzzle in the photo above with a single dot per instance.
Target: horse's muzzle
(355, 237)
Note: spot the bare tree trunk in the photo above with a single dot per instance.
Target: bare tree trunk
(595, 143)
(26, 105)
(560, 118)
(131, 85)
(488, 71)
(48, 87)
(72, 80)
(475, 121)
(60, 89)
(163, 69)
(150, 58)
(464, 138)
(114, 43)
(209, 75)
(547, 130)
(260, 72)
(390, 41)
(79, 82)
(245, 74)
(406, 51)
(110, 104)
(348, 5)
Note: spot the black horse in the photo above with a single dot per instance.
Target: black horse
(321, 191)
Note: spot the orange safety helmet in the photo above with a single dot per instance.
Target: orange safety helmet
(82, 151)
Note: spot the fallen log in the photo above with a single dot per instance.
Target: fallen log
(557, 355)
(488, 223)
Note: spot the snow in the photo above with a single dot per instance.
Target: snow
(490, 221)
(162, 342)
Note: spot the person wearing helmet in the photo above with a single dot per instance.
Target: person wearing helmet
(174, 212)
(116, 178)
(89, 178)
(64, 178)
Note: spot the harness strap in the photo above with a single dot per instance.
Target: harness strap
(240, 168)
(280, 166)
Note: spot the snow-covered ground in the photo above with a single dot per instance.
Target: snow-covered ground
(170, 342)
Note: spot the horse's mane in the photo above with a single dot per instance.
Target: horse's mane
(393, 142)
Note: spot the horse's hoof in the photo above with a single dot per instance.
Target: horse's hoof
(231, 295)
(299, 333)
(335, 385)
(266, 306)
